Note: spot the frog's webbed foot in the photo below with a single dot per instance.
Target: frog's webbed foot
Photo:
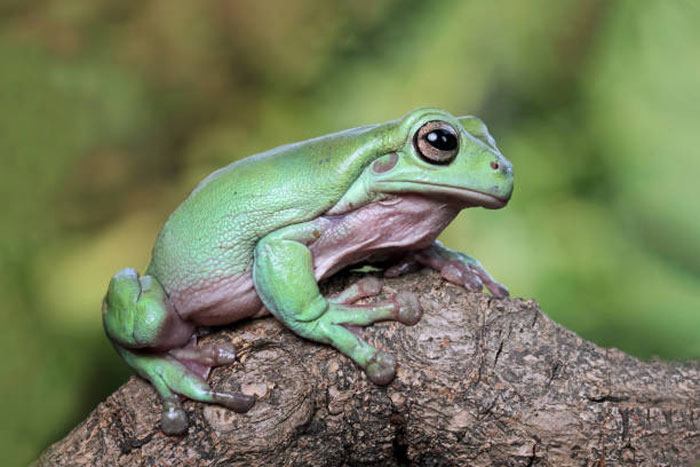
(453, 266)
(403, 307)
(339, 325)
(172, 377)
(202, 360)
(153, 340)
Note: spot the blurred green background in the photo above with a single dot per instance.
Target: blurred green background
(111, 111)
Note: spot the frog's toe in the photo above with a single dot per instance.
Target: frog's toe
(381, 368)
(461, 274)
(405, 266)
(236, 401)
(497, 289)
(410, 310)
(368, 286)
(195, 388)
(225, 354)
(173, 421)
(207, 357)
(178, 372)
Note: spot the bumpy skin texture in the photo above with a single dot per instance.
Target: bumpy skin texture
(258, 235)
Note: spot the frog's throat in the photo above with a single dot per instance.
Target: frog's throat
(465, 195)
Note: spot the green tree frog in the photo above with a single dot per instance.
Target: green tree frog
(255, 237)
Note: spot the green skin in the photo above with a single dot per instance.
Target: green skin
(256, 237)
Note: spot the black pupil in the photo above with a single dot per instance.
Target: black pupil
(442, 139)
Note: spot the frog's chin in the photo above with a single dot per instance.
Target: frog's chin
(463, 196)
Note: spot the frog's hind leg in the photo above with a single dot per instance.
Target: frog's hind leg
(153, 340)
(171, 378)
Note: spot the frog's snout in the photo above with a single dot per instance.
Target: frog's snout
(502, 171)
(501, 165)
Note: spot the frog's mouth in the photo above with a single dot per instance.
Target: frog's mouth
(466, 196)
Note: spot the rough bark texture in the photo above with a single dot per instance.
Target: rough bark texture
(482, 381)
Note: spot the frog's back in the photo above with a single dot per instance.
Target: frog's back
(207, 243)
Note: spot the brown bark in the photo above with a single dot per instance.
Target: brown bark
(482, 381)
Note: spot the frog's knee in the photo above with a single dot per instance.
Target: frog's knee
(123, 290)
(137, 313)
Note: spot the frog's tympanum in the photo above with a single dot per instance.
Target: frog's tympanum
(257, 236)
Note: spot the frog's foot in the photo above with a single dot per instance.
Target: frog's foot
(453, 266)
(172, 377)
(201, 360)
(366, 287)
(337, 324)
(460, 269)
(153, 339)
(331, 328)
(404, 307)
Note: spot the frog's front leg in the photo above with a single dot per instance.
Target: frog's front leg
(152, 339)
(454, 266)
(283, 274)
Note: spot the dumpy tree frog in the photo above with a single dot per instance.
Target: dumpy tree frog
(255, 237)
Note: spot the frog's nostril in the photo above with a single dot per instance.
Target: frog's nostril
(495, 165)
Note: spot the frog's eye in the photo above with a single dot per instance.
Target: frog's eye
(437, 142)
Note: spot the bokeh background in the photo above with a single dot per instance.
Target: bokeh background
(111, 111)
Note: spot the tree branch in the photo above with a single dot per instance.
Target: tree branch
(481, 381)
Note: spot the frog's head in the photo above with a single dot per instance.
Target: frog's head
(445, 157)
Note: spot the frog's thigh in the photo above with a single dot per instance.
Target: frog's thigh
(284, 278)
